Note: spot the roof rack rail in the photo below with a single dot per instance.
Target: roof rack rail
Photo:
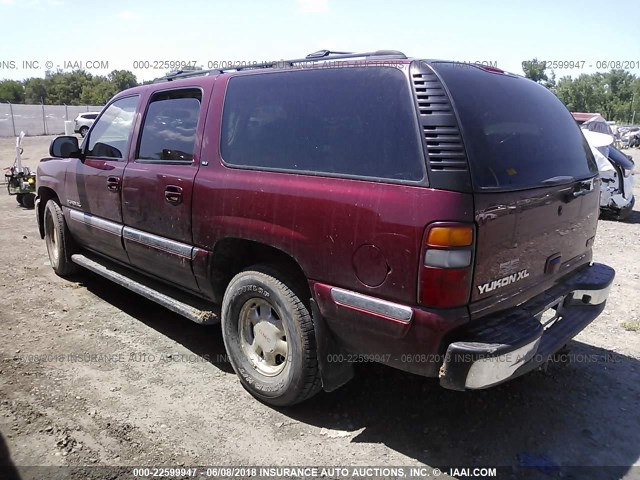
(321, 55)
(325, 53)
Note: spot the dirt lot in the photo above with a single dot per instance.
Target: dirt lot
(163, 393)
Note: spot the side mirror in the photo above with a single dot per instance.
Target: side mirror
(65, 147)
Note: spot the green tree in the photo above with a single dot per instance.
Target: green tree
(535, 70)
(122, 79)
(550, 83)
(634, 106)
(35, 90)
(98, 91)
(579, 94)
(618, 88)
(11, 91)
(66, 87)
(614, 94)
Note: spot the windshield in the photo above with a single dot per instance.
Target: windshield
(517, 134)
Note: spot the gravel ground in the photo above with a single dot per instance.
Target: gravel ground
(164, 394)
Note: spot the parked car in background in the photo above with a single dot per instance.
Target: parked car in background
(434, 216)
(616, 174)
(593, 122)
(631, 138)
(84, 121)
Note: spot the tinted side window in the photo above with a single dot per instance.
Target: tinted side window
(110, 135)
(169, 129)
(348, 121)
(90, 116)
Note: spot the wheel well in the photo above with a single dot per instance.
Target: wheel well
(232, 255)
(44, 194)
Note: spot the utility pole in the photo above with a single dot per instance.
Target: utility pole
(44, 116)
(13, 120)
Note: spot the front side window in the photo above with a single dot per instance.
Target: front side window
(169, 129)
(353, 121)
(110, 135)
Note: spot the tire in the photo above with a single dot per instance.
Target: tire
(19, 198)
(83, 131)
(29, 200)
(60, 244)
(269, 337)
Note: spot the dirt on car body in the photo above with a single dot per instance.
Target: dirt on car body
(158, 390)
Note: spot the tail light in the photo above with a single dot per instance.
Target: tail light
(490, 69)
(446, 266)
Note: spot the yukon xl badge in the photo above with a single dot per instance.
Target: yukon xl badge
(503, 282)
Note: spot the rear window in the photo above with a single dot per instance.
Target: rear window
(516, 133)
(349, 122)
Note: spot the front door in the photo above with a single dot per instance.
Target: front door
(93, 210)
(157, 187)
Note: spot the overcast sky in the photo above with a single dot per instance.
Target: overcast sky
(116, 33)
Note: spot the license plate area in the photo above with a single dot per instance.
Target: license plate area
(550, 314)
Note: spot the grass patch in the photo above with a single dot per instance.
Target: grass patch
(631, 326)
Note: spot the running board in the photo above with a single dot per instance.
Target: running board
(181, 303)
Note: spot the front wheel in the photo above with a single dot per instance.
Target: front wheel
(269, 337)
(57, 237)
(83, 131)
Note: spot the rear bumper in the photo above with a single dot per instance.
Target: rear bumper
(494, 350)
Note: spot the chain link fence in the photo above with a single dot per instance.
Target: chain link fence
(38, 119)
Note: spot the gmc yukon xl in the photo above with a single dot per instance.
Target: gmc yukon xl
(433, 216)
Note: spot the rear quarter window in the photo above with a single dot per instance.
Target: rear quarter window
(350, 121)
(516, 133)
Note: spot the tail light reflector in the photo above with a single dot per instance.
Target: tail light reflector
(447, 264)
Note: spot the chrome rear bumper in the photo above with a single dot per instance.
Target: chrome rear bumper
(500, 348)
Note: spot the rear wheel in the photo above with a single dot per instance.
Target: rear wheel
(269, 337)
(57, 237)
(29, 200)
(19, 198)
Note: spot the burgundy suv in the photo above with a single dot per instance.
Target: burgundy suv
(434, 216)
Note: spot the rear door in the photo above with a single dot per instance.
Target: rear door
(536, 191)
(158, 185)
(93, 186)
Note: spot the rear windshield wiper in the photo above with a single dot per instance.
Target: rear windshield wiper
(560, 179)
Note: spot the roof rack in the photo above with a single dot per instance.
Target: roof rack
(321, 55)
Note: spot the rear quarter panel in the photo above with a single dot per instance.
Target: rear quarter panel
(355, 234)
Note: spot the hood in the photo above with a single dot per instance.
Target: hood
(596, 139)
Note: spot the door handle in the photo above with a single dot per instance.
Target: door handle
(173, 194)
(583, 188)
(581, 193)
(113, 184)
(579, 190)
